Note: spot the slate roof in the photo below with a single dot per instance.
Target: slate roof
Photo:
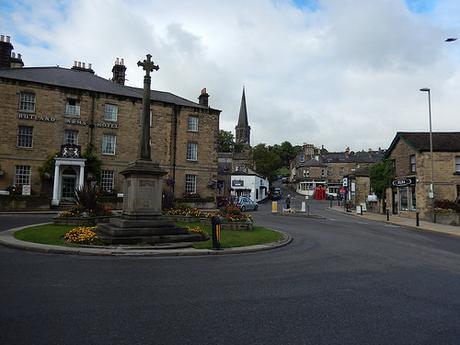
(64, 77)
(311, 163)
(420, 141)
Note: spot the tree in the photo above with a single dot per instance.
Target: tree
(266, 160)
(381, 174)
(225, 141)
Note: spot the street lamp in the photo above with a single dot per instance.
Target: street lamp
(431, 193)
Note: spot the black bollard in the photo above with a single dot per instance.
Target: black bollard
(417, 219)
(388, 215)
(330, 203)
(216, 232)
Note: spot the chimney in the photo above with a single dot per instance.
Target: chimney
(203, 98)
(119, 72)
(5, 51)
(81, 66)
(16, 61)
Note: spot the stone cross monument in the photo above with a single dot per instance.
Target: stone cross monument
(141, 220)
(144, 145)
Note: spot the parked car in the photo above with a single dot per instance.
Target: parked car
(246, 204)
(276, 194)
(284, 180)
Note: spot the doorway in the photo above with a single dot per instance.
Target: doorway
(69, 181)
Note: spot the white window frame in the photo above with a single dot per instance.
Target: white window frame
(27, 101)
(70, 109)
(413, 164)
(111, 112)
(22, 175)
(190, 184)
(192, 151)
(192, 123)
(107, 180)
(70, 139)
(23, 137)
(457, 164)
(109, 148)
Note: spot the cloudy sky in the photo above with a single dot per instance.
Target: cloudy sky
(335, 72)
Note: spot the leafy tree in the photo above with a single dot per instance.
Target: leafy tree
(47, 168)
(381, 174)
(225, 141)
(266, 160)
(93, 163)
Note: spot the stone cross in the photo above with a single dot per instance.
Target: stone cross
(144, 144)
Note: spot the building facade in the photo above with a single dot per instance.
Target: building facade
(44, 108)
(316, 167)
(413, 167)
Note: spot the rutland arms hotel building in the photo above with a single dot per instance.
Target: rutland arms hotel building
(45, 110)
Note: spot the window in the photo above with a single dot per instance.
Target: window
(22, 175)
(70, 137)
(190, 184)
(110, 112)
(192, 151)
(107, 180)
(412, 164)
(72, 107)
(413, 198)
(403, 199)
(25, 136)
(193, 124)
(109, 142)
(457, 164)
(302, 158)
(323, 172)
(27, 101)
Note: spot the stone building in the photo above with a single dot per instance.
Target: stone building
(44, 108)
(314, 167)
(412, 162)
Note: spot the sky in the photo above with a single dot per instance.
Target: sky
(338, 73)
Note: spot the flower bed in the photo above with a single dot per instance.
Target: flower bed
(82, 235)
(232, 218)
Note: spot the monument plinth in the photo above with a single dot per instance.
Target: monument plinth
(141, 220)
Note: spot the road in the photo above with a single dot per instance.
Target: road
(343, 280)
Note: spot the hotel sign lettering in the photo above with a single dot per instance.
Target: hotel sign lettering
(34, 117)
(77, 122)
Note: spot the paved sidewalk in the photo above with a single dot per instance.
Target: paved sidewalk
(7, 239)
(402, 221)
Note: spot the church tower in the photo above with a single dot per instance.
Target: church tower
(242, 129)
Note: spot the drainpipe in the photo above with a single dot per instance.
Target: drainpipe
(176, 112)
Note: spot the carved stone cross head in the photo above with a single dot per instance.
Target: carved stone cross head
(148, 65)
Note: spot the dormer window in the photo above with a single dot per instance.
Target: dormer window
(302, 158)
(72, 108)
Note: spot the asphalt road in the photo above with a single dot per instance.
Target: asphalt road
(343, 280)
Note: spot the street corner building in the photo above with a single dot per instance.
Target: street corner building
(422, 180)
(53, 114)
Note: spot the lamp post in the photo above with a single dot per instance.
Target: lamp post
(431, 192)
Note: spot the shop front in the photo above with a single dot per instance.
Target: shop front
(404, 201)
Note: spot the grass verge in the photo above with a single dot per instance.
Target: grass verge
(54, 234)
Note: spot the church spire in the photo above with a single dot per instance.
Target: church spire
(243, 129)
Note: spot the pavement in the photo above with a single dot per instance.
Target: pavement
(403, 221)
(179, 249)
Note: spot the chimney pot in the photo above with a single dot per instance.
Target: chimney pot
(13, 55)
(7, 39)
(2, 38)
(89, 66)
(75, 63)
(83, 65)
(19, 56)
(122, 62)
(117, 62)
(79, 63)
